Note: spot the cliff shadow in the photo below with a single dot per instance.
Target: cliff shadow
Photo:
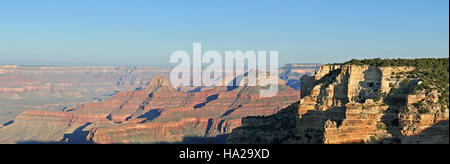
(197, 89)
(309, 127)
(396, 100)
(336, 112)
(38, 142)
(230, 111)
(233, 84)
(209, 126)
(208, 99)
(293, 83)
(77, 137)
(273, 129)
(150, 115)
(435, 134)
(8, 123)
(370, 86)
(219, 139)
(312, 128)
(306, 85)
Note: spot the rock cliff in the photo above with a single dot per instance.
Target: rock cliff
(354, 104)
(156, 113)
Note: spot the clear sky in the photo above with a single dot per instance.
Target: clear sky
(146, 32)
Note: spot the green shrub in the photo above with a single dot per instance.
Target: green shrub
(381, 126)
(434, 72)
(424, 111)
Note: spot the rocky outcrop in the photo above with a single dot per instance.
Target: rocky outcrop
(156, 113)
(159, 81)
(354, 104)
(421, 112)
(186, 130)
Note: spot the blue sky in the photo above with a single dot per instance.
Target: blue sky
(146, 32)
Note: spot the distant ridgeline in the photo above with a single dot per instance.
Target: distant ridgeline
(433, 72)
(291, 73)
(302, 66)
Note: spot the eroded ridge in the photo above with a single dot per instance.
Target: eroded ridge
(355, 104)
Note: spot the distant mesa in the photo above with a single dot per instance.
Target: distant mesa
(157, 113)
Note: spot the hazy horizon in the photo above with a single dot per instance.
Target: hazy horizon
(170, 65)
(141, 33)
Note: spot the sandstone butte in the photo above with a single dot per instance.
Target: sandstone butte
(339, 105)
(156, 113)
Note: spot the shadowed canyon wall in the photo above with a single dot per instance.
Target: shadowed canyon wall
(155, 113)
(354, 104)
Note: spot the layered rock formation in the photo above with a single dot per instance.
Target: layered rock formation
(354, 104)
(56, 88)
(186, 130)
(53, 88)
(291, 73)
(156, 113)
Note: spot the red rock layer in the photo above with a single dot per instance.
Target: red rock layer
(339, 107)
(169, 132)
(157, 108)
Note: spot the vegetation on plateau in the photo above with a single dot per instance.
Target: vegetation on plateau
(433, 72)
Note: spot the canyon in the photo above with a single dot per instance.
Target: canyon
(344, 104)
(54, 88)
(149, 112)
(316, 104)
